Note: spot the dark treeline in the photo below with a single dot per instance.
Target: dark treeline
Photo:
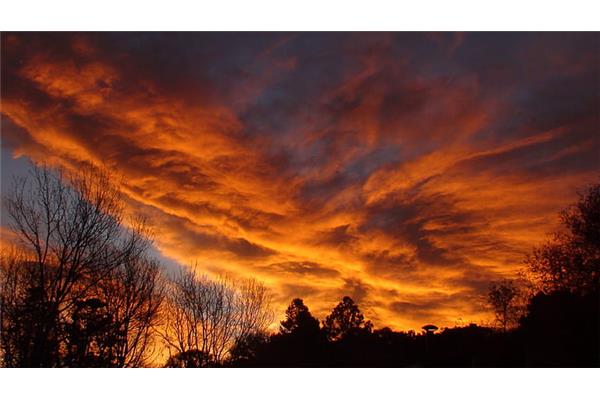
(559, 330)
(81, 290)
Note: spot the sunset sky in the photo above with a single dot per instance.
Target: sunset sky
(406, 170)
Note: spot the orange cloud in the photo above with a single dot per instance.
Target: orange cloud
(405, 173)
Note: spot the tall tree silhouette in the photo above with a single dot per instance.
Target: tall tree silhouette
(300, 341)
(298, 320)
(91, 339)
(345, 319)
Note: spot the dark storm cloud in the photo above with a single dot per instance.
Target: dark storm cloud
(193, 240)
(302, 268)
(407, 219)
(338, 236)
(356, 289)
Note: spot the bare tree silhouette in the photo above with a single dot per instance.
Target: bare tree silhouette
(210, 315)
(81, 275)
